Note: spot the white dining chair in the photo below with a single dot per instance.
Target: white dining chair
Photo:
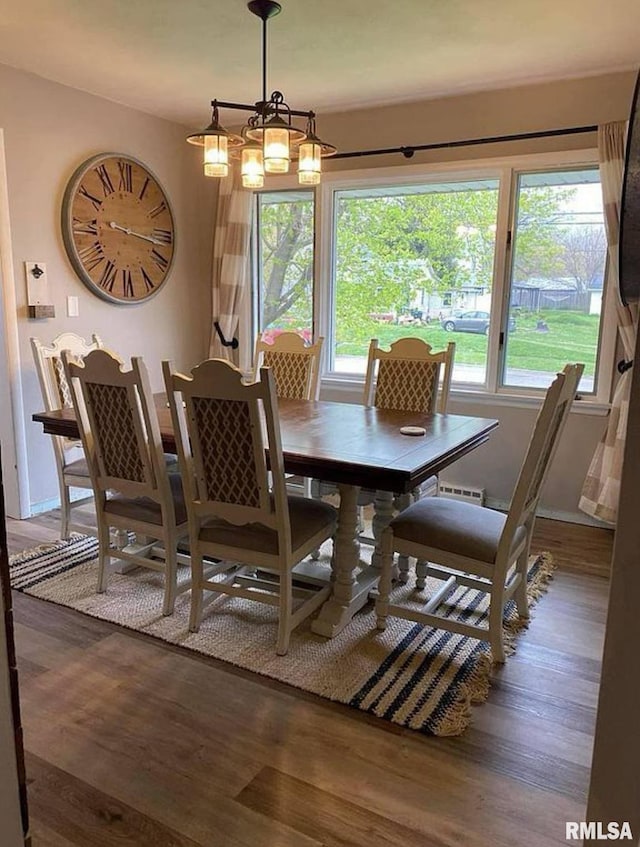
(222, 432)
(296, 370)
(71, 465)
(473, 546)
(409, 377)
(133, 490)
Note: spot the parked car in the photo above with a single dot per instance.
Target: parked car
(471, 322)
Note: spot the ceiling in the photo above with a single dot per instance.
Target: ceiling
(171, 57)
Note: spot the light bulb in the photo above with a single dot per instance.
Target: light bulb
(309, 163)
(216, 156)
(252, 167)
(276, 150)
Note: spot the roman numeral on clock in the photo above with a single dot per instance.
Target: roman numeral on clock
(85, 227)
(105, 179)
(95, 202)
(108, 277)
(91, 256)
(143, 190)
(127, 283)
(160, 260)
(163, 235)
(126, 177)
(148, 282)
(158, 210)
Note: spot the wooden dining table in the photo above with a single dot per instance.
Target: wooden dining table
(353, 446)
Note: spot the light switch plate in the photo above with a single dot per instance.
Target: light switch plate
(73, 309)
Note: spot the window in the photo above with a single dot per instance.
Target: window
(507, 259)
(284, 262)
(557, 277)
(412, 261)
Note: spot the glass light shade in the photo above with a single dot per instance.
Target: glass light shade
(252, 167)
(276, 150)
(309, 163)
(216, 155)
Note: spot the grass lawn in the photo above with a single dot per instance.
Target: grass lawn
(571, 337)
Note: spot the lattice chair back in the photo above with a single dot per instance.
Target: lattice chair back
(545, 438)
(118, 424)
(409, 377)
(222, 431)
(56, 393)
(295, 365)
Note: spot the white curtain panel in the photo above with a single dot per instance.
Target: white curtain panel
(601, 489)
(230, 262)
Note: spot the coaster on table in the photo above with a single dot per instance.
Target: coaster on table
(413, 430)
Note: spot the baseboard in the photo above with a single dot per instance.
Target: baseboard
(553, 514)
(54, 503)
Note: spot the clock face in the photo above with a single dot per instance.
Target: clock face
(118, 228)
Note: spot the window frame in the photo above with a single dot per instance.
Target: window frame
(506, 171)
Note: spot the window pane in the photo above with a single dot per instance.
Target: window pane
(557, 277)
(415, 261)
(284, 272)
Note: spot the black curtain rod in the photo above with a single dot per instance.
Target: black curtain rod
(409, 150)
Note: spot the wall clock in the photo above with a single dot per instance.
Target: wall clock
(118, 228)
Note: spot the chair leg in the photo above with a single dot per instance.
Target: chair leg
(520, 594)
(104, 559)
(170, 577)
(197, 577)
(384, 583)
(285, 611)
(496, 610)
(65, 510)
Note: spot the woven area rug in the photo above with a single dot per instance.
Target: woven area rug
(415, 676)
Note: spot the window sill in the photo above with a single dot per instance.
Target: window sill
(350, 389)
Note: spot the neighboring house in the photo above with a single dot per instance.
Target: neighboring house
(539, 293)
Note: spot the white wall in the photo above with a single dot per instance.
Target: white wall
(49, 130)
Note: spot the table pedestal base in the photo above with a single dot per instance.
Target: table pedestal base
(350, 591)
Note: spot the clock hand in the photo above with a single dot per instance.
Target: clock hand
(128, 231)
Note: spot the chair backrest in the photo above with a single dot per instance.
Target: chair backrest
(56, 393)
(407, 377)
(118, 424)
(295, 365)
(545, 438)
(223, 427)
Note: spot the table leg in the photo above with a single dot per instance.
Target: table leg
(121, 539)
(403, 502)
(350, 592)
(382, 515)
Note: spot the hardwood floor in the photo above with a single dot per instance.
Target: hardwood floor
(133, 741)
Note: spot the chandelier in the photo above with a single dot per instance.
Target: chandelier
(269, 140)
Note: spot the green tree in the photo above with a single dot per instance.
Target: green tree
(286, 258)
(390, 247)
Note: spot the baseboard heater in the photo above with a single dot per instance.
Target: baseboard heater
(468, 493)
